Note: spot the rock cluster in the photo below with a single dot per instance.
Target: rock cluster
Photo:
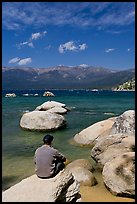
(46, 117)
(113, 148)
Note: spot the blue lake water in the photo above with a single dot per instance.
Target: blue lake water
(87, 108)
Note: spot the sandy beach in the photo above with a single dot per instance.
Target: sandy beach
(99, 193)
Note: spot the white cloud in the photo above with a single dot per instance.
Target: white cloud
(22, 44)
(61, 49)
(70, 46)
(20, 61)
(19, 15)
(31, 44)
(82, 46)
(114, 31)
(38, 35)
(35, 36)
(110, 50)
(25, 61)
(14, 60)
(48, 47)
(67, 46)
(44, 32)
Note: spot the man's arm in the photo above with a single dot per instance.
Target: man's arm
(60, 156)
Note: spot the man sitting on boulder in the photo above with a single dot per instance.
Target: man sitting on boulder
(48, 160)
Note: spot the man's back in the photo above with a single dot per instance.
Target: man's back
(45, 161)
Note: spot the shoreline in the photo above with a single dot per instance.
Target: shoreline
(99, 193)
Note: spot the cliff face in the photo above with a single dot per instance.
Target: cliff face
(63, 77)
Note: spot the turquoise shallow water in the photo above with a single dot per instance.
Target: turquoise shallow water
(18, 146)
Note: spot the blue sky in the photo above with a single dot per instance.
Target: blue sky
(47, 34)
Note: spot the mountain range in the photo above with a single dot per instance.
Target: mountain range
(63, 77)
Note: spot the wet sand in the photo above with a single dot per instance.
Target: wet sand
(99, 193)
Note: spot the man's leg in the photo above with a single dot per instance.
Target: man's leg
(59, 166)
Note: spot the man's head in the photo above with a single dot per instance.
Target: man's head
(47, 139)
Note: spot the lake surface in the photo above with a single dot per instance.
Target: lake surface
(87, 108)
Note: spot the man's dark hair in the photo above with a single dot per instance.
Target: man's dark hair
(47, 139)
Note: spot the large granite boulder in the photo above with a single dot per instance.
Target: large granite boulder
(112, 146)
(42, 121)
(125, 123)
(84, 163)
(82, 172)
(58, 110)
(119, 175)
(61, 188)
(83, 176)
(90, 135)
(50, 104)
